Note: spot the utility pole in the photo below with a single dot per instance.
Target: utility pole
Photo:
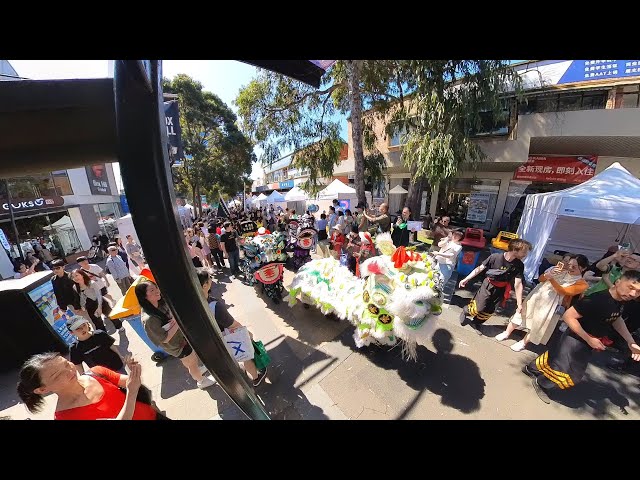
(13, 220)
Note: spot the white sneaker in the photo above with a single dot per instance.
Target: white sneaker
(501, 337)
(206, 382)
(203, 369)
(518, 346)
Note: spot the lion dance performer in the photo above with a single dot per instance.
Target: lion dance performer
(397, 297)
(264, 259)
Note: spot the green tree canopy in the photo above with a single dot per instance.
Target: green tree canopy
(438, 104)
(218, 156)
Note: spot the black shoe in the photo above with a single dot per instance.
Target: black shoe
(261, 376)
(527, 371)
(542, 395)
(463, 318)
(476, 327)
(158, 357)
(618, 366)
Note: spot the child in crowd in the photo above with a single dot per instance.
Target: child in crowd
(94, 348)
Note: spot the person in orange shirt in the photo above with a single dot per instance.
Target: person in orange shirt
(558, 285)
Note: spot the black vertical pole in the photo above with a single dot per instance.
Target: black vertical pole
(144, 162)
(13, 220)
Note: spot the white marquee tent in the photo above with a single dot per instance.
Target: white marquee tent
(586, 219)
(296, 194)
(275, 197)
(336, 189)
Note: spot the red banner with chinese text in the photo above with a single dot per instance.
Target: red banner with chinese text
(541, 168)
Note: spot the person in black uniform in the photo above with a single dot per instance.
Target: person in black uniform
(590, 319)
(631, 317)
(505, 271)
(64, 288)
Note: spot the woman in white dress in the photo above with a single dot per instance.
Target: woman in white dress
(558, 285)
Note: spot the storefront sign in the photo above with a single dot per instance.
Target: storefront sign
(124, 204)
(478, 207)
(574, 170)
(273, 186)
(261, 188)
(287, 184)
(98, 179)
(591, 70)
(19, 204)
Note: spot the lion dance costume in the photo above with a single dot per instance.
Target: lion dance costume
(264, 259)
(396, 299)
(301, 239)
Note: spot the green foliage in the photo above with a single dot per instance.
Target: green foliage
(217, 154)
(449, 100)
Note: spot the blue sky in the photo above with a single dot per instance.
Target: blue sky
(223, 77)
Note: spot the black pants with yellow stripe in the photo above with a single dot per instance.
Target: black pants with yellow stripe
(484, 302)
(564, 364)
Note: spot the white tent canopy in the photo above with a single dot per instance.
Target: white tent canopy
(296, 194)
(275, 197)
(398, 189)
(63, 224)
(572, 219)
(334, 190)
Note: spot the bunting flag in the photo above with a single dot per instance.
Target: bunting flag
(223, 211)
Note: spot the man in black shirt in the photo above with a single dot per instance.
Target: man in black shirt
(93, 348)
(63, 287)
(230, 247)
(590, 319)
(504, 272)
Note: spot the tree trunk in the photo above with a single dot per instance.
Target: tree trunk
(414, 198)
(355, 100)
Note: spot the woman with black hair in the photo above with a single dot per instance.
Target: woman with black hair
(401, 233)
(94, 395)
(164, 332)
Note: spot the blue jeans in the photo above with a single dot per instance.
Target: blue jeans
(446, 270)
(234, 260)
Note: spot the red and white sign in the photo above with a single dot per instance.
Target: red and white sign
(574, 169)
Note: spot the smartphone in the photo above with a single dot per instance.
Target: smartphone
(560, 265)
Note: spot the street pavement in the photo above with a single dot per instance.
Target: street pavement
(317, 373)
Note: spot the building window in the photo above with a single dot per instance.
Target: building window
(516, 196)
(470, 202)
(396, 139)
(566, 101)
(61, 183)
(630, 96)
(33, 186)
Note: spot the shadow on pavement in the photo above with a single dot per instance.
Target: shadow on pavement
(596, 397)
(455, 378)
(281, 398)
(175, 378)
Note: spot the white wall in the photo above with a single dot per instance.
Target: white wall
(631, 164)
(112, 179)
(81, 230)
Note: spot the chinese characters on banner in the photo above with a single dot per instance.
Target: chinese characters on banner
(574, 169)
(98, 180)
(588, 70)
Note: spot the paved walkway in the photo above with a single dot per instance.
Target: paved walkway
(318, 373)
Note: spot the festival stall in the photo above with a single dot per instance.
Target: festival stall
(586, 219)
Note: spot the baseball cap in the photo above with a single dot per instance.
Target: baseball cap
(76, 322)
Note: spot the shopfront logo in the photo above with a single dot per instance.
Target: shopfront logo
(41, 202)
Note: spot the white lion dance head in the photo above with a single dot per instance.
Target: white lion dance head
(399, 298)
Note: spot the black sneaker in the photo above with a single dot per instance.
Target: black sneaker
(527, 371)
(261, 376)
(476, 326)
(542, 395)
(463, 318)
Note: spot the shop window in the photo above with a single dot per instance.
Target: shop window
(107, 215)
(594, 101)
(567, 101)
(630, 96)
(61, 183)
(470, 202)
(33, 186)
(570, 102)
(396, 139)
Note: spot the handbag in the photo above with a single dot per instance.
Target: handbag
(239, 344)
(260, 356)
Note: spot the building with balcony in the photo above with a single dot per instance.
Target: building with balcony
(579, 117)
